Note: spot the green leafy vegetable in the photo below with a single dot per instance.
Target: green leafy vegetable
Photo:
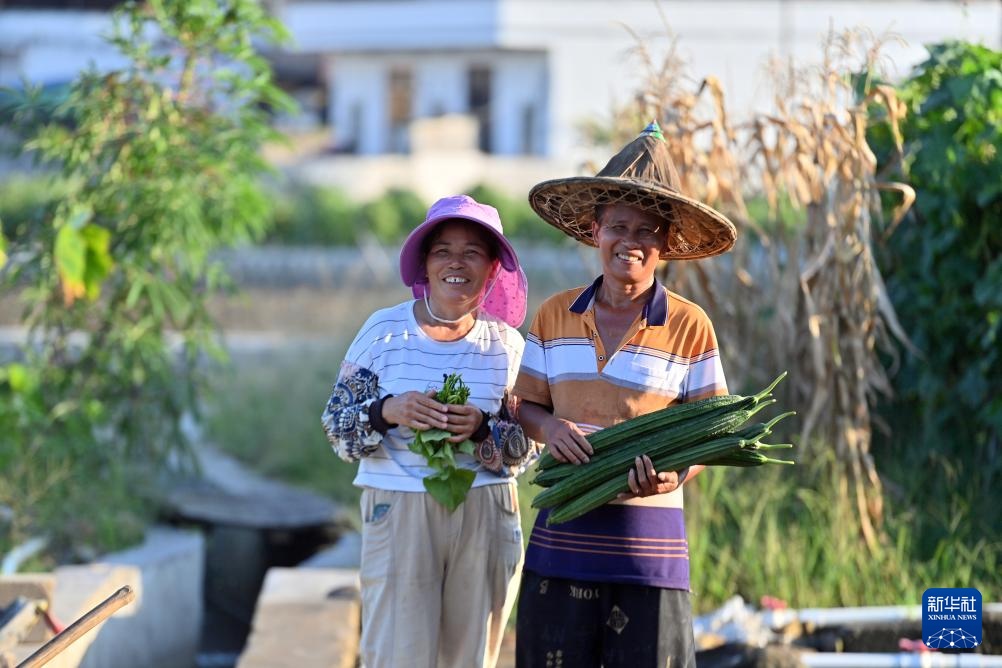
(449, 484)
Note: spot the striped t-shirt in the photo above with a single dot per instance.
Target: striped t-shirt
(393, 346)
(669, 356)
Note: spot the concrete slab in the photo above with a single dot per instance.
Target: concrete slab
(77, 590)
(159, 628)
(228, 493)
(166, 622)
(304, 618)
(346, 553)
(33, 586)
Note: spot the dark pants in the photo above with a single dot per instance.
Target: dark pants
(579, 624)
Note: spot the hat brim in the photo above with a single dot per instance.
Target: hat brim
(696, 230)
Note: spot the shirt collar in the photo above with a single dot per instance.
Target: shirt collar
(655, 310)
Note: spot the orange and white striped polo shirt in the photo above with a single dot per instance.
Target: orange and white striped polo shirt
(670, 355)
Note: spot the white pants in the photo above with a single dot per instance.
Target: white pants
(437, 587)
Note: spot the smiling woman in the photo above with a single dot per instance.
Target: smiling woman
(438, 584)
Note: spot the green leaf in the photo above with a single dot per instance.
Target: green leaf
(20, 378)
(98, 262)
(468, 447)
(435, 435)
(71, 263)
(423, 446)
(135, 290)
(450, 489)
(3, 248)
(445, 453)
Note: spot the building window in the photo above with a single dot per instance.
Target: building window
(479, 103)
(401, 104)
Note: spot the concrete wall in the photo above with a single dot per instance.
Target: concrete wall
(305, 618)
(431, 175)
(165, 627)
(160, 627)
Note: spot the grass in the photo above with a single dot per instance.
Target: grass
(265, 410)
(769, 531)
(784, 533)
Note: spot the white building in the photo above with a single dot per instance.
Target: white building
(528, 72)
(532, 70)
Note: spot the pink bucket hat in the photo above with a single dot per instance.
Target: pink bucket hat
(506, 292)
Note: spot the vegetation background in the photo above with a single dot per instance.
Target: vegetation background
(148, 173)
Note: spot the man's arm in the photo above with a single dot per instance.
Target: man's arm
(692, 473)
(565, 440)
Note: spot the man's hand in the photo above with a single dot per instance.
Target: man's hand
(463, 421)
(566, 441)
(645, 481)
(417, 411)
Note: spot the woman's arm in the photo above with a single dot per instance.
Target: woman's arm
(346, 419)
(501, 445)
(507, 450)
(356, 417)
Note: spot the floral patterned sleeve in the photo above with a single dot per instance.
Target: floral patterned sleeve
(506, 450)
(346, 417)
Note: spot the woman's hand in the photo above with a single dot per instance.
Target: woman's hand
(464, 419)
(416, 410)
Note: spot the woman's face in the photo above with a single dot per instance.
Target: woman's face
(458, 264)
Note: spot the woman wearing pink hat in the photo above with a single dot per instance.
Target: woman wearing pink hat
(437, 586)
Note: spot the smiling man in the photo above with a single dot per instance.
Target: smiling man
(611, 588)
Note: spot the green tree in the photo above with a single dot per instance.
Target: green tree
(943, 266)
(161, 165)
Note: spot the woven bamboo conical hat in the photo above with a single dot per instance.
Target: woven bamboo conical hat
(641, 175)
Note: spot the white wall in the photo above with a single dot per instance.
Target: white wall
(367, 25)
(52, 47)
(360, 81)
(440, 85)
(574, 50)
(520, 82)
(591, 68)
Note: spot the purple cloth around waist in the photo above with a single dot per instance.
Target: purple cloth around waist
(614, 543)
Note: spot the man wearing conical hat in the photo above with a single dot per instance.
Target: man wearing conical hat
(611, 588)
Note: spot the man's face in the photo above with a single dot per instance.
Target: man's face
(629, 242)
